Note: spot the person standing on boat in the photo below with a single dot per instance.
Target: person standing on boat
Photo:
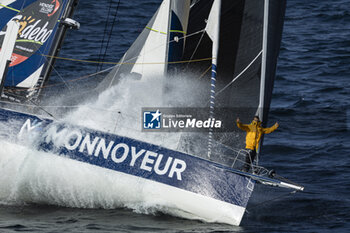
(254, 132)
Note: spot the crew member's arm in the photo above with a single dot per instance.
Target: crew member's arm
(242, 126)
(271, 129)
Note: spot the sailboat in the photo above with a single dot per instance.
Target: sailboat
(237, 40)
(32, 32)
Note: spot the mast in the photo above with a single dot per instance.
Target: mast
(66, 23)
(213, 30)
(264, 61)
(168, 37)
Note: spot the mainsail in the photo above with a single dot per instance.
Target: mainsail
(39, 22)
(249, 41)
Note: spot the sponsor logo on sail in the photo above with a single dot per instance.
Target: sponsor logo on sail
(37, 22)
(49, 9)
(34, 31)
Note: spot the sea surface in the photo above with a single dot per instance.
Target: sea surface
(311, 102)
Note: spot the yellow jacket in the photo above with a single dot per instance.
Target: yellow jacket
(254, 133)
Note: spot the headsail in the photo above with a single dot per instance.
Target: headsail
(273, 24)
(155, 46)
(160, 42)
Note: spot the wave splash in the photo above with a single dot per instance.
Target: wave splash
(30, 176)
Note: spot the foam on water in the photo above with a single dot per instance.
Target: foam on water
(29, 176)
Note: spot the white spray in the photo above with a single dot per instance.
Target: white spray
(31, 176)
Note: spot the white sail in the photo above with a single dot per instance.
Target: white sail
(213, 22)
(152, 58)
(6, 3)
(149, 54)
(213, 28)
(32, 80)
(8, 45)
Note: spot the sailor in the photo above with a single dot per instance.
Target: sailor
(254, 132)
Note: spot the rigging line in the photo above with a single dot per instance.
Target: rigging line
(202, 75)
(181, 38)
(24, 2)
(110, 34)
(116, 72)
(59, 75)
(104, 34)
(240, 74)
(51, 115)
(115, 63)
(130, 63)
(130, 59)
(270, 200)
(10, 8)
(71, 80)
(35, 104)
(60, 106)
(195, 50)
(53, 68)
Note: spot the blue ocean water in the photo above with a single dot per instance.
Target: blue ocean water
(311, 102)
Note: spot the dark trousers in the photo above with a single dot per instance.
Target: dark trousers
(249, 159)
